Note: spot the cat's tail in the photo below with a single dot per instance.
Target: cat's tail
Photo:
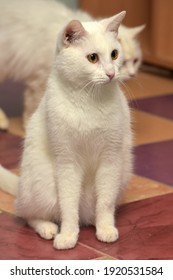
(8, 181)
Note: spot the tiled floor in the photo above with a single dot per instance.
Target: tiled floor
(145, 215)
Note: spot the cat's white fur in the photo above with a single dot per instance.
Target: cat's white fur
(78, 149)
(128, 37)
(28, 31)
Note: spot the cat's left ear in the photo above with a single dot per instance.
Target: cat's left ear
(135, 31)
(112, 24)
(73, 31)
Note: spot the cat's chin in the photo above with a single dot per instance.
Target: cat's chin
(109, 82)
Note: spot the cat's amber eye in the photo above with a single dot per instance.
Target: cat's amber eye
(114, 54)
(93, 58)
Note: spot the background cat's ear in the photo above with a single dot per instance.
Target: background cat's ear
(73, 31)
(135, 31)
(112, 24)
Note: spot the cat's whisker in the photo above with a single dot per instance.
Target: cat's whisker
(136, 80)
(129, 92)
(127, 89)
(96, 89)
(92, 92)
(85, 86)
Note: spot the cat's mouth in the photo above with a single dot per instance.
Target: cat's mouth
(106, 80)
(112, 79)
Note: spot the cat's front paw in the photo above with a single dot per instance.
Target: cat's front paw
(65, 240)
(107, 233)
(47, 230)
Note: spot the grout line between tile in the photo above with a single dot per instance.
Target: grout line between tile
(95, 250)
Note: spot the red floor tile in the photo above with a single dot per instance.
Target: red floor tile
(17, 241)
(12, 97)
(10, 150)
(146, 231)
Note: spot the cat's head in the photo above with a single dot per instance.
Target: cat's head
(132, 52)
(89, 52)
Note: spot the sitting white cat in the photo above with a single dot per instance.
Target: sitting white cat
(27, 43)
(77, 155)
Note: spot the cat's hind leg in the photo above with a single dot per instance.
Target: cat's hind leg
(46, 229)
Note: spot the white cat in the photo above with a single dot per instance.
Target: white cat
(131, 49)
(27, 45)
(78, 149)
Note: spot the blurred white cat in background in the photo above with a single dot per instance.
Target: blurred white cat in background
(132, 52)
(28, 31)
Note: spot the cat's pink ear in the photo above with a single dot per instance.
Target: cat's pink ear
(73, 31)
(135, 31)
(112, 24)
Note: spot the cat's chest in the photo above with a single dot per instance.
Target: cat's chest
(86, 131)
(88, 125)
(89, 134)
(89, 120)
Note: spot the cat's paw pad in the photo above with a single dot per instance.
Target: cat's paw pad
(65, 240)
(47, 230)
(107, 234)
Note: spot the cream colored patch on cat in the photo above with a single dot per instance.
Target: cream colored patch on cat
(77, 155)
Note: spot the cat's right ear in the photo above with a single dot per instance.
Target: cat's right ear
(112, 24)
(73, 32)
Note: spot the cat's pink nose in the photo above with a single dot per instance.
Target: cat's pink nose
(110, 75)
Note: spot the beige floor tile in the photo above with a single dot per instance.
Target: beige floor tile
(16, 126)
(6, 202)
(140, 188)
(106, 258)
(148, 85)
(149, 128)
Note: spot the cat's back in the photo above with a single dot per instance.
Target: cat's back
(31, 12)
(25, 22)
(28, 31)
